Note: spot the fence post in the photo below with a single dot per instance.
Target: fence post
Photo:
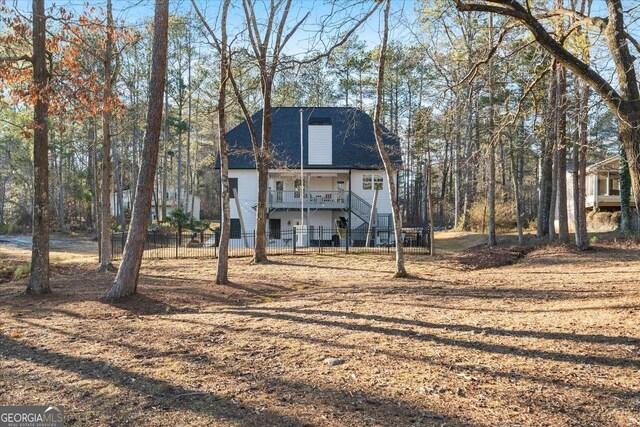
(348, 235)
(320, 240)
(389, 238)
(177, 244)
(294, 241)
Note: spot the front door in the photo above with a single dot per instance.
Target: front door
(274, 228)
(279, 190)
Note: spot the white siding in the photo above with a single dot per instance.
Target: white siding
(384, 201)
(324, 183)
(320, 145)
(247, 195)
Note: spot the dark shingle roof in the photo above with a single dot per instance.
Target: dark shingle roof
(354, 144)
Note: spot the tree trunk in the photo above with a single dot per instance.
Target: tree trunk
(97, 194)
(625, 194)
(580, 168)
(260, 244)
(223, 252)
(544, 185)
(400, 270)
(552, 142)
(432, 250)
(554, 195)
(90, 181)
(165, 156)
(630, 137)
(561, 135)
(188, 190)
(105, 230)
(117, 171)
(39, 272)
(180, 132)
(516, 194)
(468, 155)
(457, 173)
(61, 219)
(491, 199)
(126, 280)
(263, 159)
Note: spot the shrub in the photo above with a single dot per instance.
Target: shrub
(505, 216)
(602, 222)
(22, 271)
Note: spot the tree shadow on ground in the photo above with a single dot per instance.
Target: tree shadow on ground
(349, 267)
(624, 397)
(468, 344)
(460, 289)
(586, 338)
(164, 394)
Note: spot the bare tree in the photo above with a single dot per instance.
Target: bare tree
(223, 254)
(222, 46)
(267, 51)
(39, 278)
(384, 154)
(126, 280)
(109, 80)
(624, 102)
(493, 136)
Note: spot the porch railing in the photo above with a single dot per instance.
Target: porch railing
(312, 199)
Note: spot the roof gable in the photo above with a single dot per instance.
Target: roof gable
(354, 144)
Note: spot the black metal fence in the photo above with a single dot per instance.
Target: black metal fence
(291, 241)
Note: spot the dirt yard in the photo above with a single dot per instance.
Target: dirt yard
(478, 338)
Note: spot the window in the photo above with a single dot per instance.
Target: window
(296, 188)
(236, 230)
(366, 182)
(372, 182)
(233, 185)
(614, 184)
(602, 185)
(320, 141)
(377, 182)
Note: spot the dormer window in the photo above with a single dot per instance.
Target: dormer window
(320, 141)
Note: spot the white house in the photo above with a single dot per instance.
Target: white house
(602, 191)
(333, 191)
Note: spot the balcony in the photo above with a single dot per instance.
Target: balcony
(286, 199)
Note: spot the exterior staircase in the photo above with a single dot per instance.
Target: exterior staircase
(360, 207)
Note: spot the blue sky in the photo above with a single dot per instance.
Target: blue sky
(135, 12)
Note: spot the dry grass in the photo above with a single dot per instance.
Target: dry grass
(551, 339)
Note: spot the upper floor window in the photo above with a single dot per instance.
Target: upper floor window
(367, 182)
(320, 138)
(371, 181)
(377, 182)
(233, 185)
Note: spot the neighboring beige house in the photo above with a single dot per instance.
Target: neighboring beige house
(602, 190)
